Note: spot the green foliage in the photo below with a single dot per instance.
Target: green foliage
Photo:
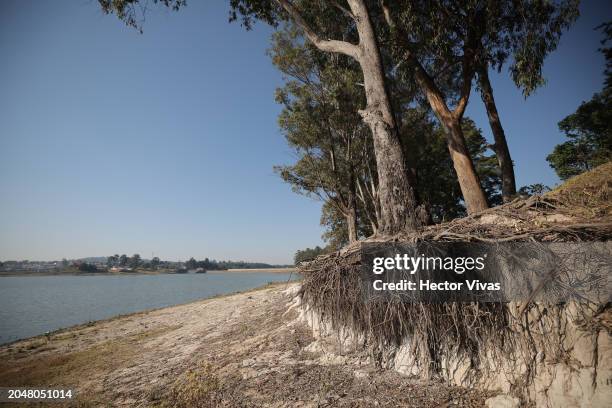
(319, 117)
(606, 28)
(132, 12)
(589, 130)
(213, 265)
(533, 189)
(123, 260)
(491, 34)
(87, 267)
(135, 261)
(155, 262)
(536, 29)
(191, 263)
(308, 254)
(437, 183)
(112, 260)
(320, 121)
(336, 229)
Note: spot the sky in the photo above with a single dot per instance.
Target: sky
(163, 143)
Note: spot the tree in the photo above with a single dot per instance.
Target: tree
(155, 262)
(123, 260)
(320, 21)
(112, 260)
(501, 145)
(135, 261)
(590, 132)
(447, 43)
(87, 267)
(533, 189)
(308, 254)
(437, 183)
(336, 231)
(191, 263)
(589, 129)
(321, 124)
(528, 31)
(607, 52)
(417, 26)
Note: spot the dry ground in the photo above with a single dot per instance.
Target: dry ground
(241, 350)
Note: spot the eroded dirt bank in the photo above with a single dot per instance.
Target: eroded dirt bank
(242, 350)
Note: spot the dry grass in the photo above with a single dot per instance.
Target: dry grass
(589, 194)
(70, 369)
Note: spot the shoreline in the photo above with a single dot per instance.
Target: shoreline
(242, 349)
(166, 272)
(91, 323)
(256, 270)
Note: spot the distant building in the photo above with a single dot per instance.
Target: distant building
(120, 269)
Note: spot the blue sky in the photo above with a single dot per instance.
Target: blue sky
(116, 142)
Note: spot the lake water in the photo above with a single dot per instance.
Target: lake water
(33, 305)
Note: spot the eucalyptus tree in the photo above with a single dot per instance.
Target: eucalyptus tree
(427, 36)
(437, 184)
(460, 40)
(521, 33)
(446, 44)
(337, 28)
(320, 122)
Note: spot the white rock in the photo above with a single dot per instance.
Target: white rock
(502, 401)
(360, 374)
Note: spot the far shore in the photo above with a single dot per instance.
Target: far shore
(141, 272)
(273, 270)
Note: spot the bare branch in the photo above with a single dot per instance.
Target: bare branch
(345, 11)
(341, 47)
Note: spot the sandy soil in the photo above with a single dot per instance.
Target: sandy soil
(242, 350)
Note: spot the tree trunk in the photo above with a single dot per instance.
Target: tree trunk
(351, 213)
(397, 196)
(501, 146)
(473, 194)
(351, 222)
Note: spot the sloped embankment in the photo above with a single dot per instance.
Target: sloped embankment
(241, 350)
(547, 354)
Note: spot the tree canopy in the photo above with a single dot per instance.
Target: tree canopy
(589, 129)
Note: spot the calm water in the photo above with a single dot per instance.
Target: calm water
(33, 305)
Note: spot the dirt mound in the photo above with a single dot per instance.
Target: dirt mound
(588, 194)
(578, 210)
(534, 347)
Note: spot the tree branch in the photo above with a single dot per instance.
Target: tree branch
(341, 47)
(470, 46)
(424, 80)
(345, 11)
(467, 73)
(466, 88)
